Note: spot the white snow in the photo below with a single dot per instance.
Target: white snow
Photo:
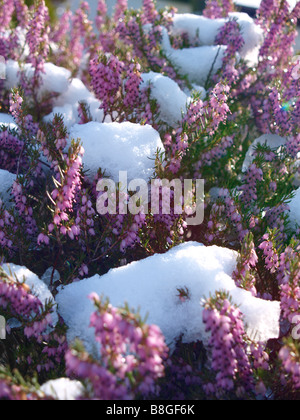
(152, 285)
(54, 79)
(63, 389)
(6, 181)
(115, 147)
(195, 63)
(206, 30)
(38, 288)
(7, 121)
(294, 205)
(67, 104)
(171, 99)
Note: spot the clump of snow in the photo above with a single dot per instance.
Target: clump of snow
(271, 140)
(171, 99)
(6, 181)
(38, 288)
(152, 285)
(206, 30)
(294, 205)
(54, 79)
(67, 104)
(63, 389)
(196, 63)
(115, 147)
(50, 274)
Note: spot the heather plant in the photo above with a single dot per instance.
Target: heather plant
(50, 217)
(131, 355)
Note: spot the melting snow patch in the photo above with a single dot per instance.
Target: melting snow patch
(152, 285)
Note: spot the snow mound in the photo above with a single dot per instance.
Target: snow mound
(196, 63)
(294, 205)
(171, 99)
(54, 79)
(67, 104)
(63, 389)
(115, 147)
(152, 285)
(6, 181)
(38, 288)
(206, 30)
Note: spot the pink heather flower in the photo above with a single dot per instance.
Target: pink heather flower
(128, 349)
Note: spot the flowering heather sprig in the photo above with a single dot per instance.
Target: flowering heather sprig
(62, 29)
(215, 9)
(82, 36)
(215, 154)
(24, 209)
(218, 108)
(225, 213)
(85, 219)
(11, 148)
(22, 12)
(252, 177)
(230, 35)
(22, 118)
(13, 387)
(293, 146)
(84, 113)
(275, 218)
(6, 13)
(290, 359)
(228, 343)
(124, 227)
(132, 86)
(120, 9)
(289, 280)
(101, 14)
(106, 74)
(149, 12)
(7, 226)
(246, 261)
(38, 40)
(129, 349)
(269, 248)
(68, 184)
(17, 300)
